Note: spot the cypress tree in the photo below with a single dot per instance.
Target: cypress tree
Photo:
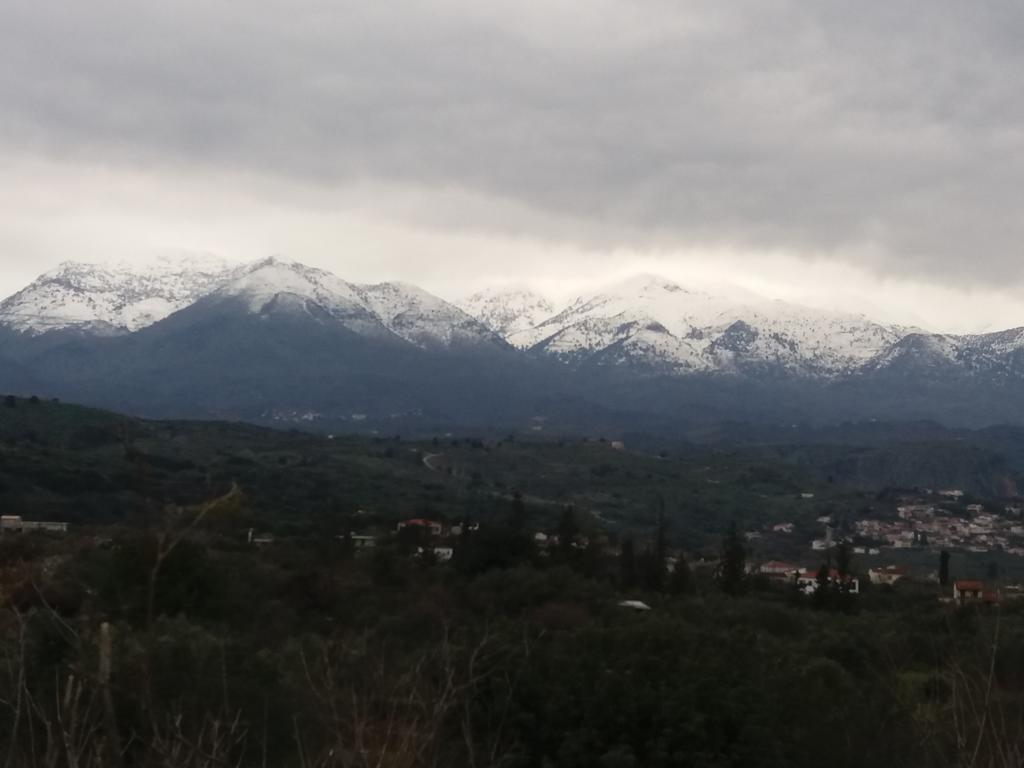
(567, 531)
(732, 568)
(681, 581)
(627, 564)
(944, 568)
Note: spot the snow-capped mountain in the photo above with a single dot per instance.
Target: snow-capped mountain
(509, 311)
(122, 298)
(993, 356)
(205, 338)
(275, 286)
(422, 318)
(657, 323)
(115, 298)
(404, 311)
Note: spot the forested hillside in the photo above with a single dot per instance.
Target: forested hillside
(215, 601)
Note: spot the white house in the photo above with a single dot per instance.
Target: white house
(888, 574)
(431, 526)
(776, 569)
(807, 581)
(15, 523)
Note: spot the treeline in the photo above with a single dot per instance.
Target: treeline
(178, 645)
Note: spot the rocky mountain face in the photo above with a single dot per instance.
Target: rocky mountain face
(278, 341)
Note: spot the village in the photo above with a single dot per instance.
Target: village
(936, 521)
(945, 526)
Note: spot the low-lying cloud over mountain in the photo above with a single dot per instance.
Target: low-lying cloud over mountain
(456, 142)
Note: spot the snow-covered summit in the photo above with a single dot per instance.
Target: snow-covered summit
(656, 322)
(399, 309)
(508, 311)
(113, 298)
(423, 318)
(647, 321)
(260, 282)
(125, 297)
(273, 286)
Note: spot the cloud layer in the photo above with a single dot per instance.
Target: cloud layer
(885, 136)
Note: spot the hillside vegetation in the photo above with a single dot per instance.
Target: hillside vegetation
(155, 633)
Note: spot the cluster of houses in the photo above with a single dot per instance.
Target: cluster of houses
(808, 581)
(16, 524)
(973, 528)
(433, 535)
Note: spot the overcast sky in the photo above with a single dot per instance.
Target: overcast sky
(857, 155)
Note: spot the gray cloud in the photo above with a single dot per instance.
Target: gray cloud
(887, 135)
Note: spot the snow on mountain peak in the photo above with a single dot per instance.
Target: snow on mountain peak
(263, 280)
(508, 310)
(657, 322)
(116, 297)
(645, 320)
(422, 318)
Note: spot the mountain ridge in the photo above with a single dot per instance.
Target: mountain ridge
(258, 340)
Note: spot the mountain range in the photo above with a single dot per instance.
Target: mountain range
(274, 341)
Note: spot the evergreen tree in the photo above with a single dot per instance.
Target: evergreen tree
(681, 580)
(627, 564)
(944, 568)
(732, 574)
(656, 567)
(650, 574)
(347, 545)
(823, 587)
(843, 559)
(567, 532)
(517, 519)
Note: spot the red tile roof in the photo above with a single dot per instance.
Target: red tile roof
(969, 585)
(778, 565)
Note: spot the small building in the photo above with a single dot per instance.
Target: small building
(15, 524)
(362, 540)
(966, 591)
(783, 528)
(776, 569)
(807, 581)
(888, 574)
(441, 554)
(432, 527)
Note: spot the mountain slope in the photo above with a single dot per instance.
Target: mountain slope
(424, 319)
(283, 342)
(287, 343)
